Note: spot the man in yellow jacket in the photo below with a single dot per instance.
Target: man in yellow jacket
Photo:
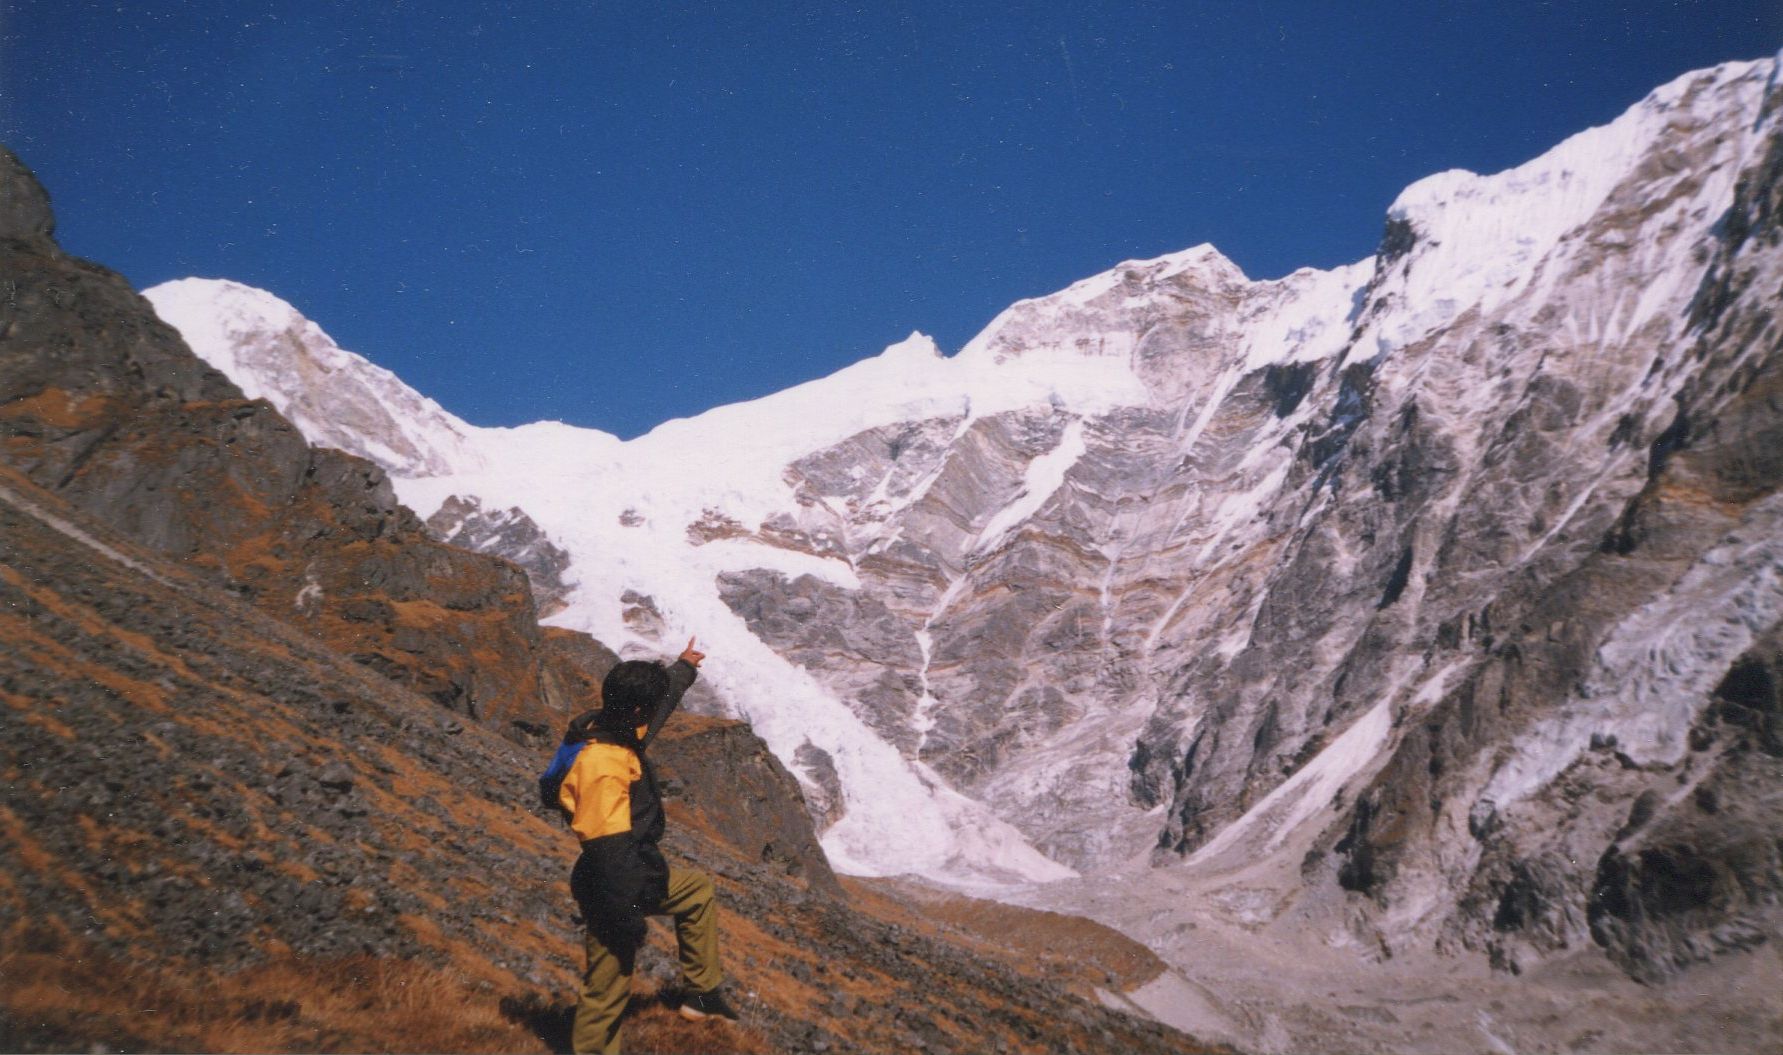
(610, 795)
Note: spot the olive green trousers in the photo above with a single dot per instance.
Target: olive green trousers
(606, 984)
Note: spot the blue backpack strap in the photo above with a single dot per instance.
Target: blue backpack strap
(551, 781)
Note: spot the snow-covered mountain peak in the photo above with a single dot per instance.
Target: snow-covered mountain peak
(217, 315)
(1201, 265)
(1458, 240)
(1575, 176)
(337, 398)
(919, 347)
(1104, 316)
(750, 444)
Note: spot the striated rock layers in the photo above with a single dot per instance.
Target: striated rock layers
(1469, 593)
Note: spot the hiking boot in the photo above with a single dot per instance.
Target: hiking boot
(709, 1004)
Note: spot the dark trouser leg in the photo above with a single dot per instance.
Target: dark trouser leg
(606, 986)
(691, 902)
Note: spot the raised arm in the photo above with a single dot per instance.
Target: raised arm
(682, 673)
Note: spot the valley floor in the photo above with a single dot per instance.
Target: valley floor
(1288, 985)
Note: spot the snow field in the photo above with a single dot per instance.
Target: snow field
(1479, 238)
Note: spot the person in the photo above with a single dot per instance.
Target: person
(609, 794)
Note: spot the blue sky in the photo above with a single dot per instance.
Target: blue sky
(616, 213)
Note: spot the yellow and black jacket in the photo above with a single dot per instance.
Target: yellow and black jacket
(610, 796)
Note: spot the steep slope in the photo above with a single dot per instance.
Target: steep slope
(224, 832)
(1496, 623)
(1420, 595)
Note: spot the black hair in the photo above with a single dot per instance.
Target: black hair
(630, 692)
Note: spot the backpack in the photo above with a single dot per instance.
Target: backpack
(575, 738)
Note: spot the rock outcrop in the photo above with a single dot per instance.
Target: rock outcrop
(718, 775)
(512, 535)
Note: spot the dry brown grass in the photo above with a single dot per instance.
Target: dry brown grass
(1080, 952)
(56, 995)
(652, 1027)
(60, 408)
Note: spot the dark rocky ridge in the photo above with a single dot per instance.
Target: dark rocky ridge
(25, 213)
(719, 776)
(103, 404)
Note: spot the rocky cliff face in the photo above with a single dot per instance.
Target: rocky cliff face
(1393, 576)
(1450, 577)
(1625, 670)
(1513, 621)
(511, 534)
(740, 793)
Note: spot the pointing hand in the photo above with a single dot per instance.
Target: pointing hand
(692, 655)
